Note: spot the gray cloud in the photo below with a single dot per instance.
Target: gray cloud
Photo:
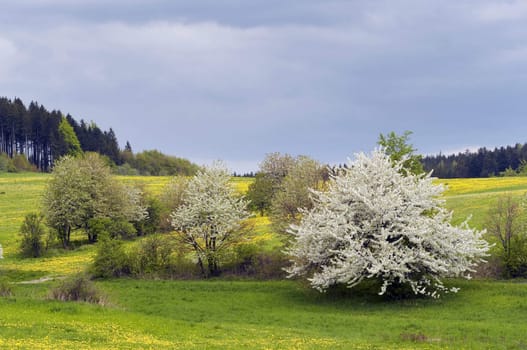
(236, 79)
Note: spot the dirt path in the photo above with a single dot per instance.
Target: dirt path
(41, 280)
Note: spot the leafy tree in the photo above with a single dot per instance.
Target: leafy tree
(71, 144)
(83, 188)
(276, 166)
(294, 192)
(273, 170)
(210, 216)
(260, 193)
(374, 223)
(398, 148)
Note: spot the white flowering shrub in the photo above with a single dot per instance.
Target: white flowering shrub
(1, 252)
(378, 222)
(210, 216)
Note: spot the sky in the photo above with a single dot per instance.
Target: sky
(234, 80)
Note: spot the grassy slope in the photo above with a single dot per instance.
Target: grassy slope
(264, 315)
(474, 197)
(233, 314)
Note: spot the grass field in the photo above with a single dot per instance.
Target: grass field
(219, 314)
(474, 197)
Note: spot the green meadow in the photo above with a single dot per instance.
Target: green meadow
(229, 313)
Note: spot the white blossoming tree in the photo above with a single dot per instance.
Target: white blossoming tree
(1, 252)
(210, 216)
(376, 222)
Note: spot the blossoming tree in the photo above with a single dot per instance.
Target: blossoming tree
(210, 216)
(378, 222)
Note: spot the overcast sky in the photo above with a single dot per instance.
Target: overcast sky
(237, 79)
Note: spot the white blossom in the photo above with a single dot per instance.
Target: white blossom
(1, 252)
(210, 215)
(377, 222)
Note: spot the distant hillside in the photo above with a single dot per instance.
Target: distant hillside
(508, 161)
(32, 138)
(36, 133)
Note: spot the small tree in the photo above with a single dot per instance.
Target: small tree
(83, 188)
(273, 170)
(33, 233)
(210, 216)
(398, 148)
(69, 143)
(374, 223)
(294, 192)
(276, 166)
(260, 193)
(507, 222)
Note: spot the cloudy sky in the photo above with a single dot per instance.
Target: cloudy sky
(236, 79)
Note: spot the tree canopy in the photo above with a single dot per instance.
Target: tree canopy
(398, 148)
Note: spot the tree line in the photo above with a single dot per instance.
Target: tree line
(509, 160)
(33, 138)
(36, 133)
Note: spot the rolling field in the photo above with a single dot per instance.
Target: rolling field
(231, 314)
(474, 197)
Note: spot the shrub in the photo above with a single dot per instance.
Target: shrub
(151, 223)
(6, 163)
(516, 263)
(251, 261)
(110, 227)
(33, 234)
(5, 288)
(507, 221)
(154, 256)
(111, 259)
(21, 163)
(78, 288)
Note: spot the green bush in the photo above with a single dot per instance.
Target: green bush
(78, 288)
(21, 163)
(5, 288)
(154, 256)
(251, 261)
(5, 162)
(161, 256)
(33, 234)
(151, 223)
(516, 262)
(112, 228)
(111, 259)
